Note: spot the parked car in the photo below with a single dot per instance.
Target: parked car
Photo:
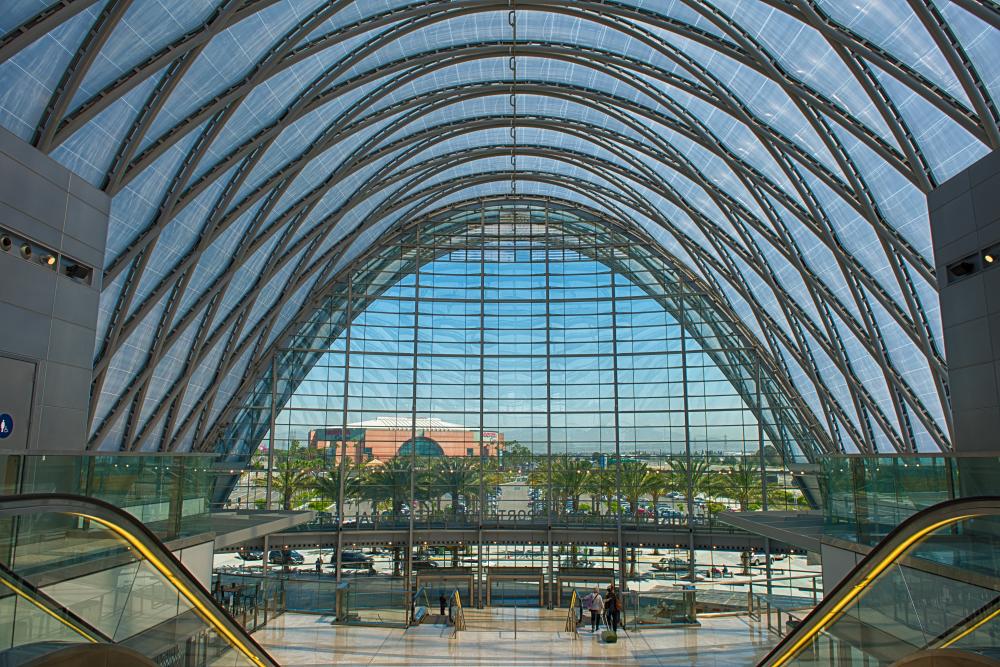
(281, 557)
(424, 564)
(250, 553)
(759, 559)
(354, 560)
(671, 565)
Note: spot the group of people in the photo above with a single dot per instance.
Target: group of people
(607, 608)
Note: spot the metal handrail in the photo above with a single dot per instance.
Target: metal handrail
(515, 618)
(571, 624)
(459, 614)
(895, 547)
(146, 544)
(33, 595)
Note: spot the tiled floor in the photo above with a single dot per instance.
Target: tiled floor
(295, 639)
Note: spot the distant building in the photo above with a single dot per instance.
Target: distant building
(383, 438)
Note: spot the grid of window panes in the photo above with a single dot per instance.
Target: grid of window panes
(510, 367)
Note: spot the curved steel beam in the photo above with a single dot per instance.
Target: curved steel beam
(502, 177)
(862, 337)
(393, 237)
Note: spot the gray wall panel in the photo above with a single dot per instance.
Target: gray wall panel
(64, 385)
(24, 333)
(49, 318)
(26, 284)
(16, 387)
(965, 220)
(59, 429)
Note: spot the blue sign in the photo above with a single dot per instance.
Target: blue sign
(6, 425)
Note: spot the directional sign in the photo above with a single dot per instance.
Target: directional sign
(6, 425)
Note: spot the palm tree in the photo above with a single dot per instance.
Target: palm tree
(389, 482)
(516, 456)
(742, 483)
(569, 479)
(699, 473)
(292, 473)
(459, 478)
(327, 486)
(637, 481)
(600, 485)
(661, 483)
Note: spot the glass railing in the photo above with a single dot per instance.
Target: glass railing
(865, 497)
(168, 493)
(78, 570)
(931, 587)
(647, 492)
(254, 600)
(253, 597)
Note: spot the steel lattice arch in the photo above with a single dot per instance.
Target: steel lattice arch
(778, 152)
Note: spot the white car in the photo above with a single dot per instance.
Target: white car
(761, 559)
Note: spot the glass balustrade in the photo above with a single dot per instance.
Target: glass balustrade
(931, 587)
(75, 570)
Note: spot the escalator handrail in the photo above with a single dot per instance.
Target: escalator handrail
(891, 549)
(27, 591)
(152, 549)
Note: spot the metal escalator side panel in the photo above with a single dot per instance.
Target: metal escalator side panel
(51, 609)
(139, 538)
(208, 615)
(969, 625)
(895, 546)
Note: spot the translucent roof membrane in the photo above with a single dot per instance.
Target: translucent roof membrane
(778, 152)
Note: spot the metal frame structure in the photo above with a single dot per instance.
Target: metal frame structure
(298, 358)
(782, 202)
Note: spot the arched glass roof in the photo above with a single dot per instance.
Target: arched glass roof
(780, 149)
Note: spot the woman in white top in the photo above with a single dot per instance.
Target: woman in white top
(596, 607)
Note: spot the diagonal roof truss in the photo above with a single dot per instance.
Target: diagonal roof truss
(779, 151)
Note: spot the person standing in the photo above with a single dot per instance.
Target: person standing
(319, 564)
(596, 608)
(612, 605)
(443, 602)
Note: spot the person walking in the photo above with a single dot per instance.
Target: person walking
(612, 606)
(319, 564)
(443, 602)
(596, 608)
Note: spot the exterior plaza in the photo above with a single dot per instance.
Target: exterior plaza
(521, 332)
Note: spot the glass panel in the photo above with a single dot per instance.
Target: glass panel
(79, 573)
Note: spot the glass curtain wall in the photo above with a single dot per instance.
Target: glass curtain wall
(521, 367)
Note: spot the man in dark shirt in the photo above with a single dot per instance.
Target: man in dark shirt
(612, 607)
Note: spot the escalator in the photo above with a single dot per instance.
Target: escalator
(927, 595)
(84, 583)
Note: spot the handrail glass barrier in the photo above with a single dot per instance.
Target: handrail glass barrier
(931, 587)
(80, 571)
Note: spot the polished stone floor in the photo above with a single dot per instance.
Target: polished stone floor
(296, 639)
